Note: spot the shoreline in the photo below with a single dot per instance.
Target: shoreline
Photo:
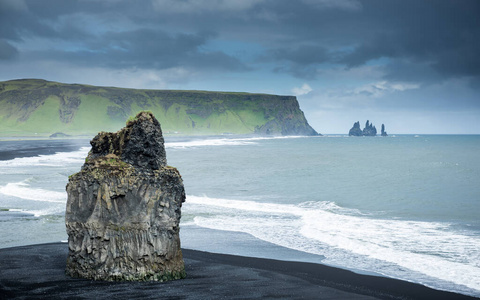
(198, 238)
(12, 149)
(37, 271)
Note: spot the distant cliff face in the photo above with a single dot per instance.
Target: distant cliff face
(32, 106)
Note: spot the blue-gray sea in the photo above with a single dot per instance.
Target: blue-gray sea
(403, 206)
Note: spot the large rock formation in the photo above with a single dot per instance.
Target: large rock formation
(384, 133)
(123, 208)
(355, 130)
(369, 129)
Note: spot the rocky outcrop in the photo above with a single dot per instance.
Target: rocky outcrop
(369, 130)
(124, 208)
(384, 133)
(355, 130)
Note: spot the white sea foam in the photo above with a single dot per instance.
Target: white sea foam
(211, 142)
(24, 191)
(425, 247)
(223, 142)
(52, 160)
(53, 210)
(401, 247)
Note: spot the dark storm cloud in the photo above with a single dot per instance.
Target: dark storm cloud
(146, 48)
(300, 61)
(442, 38)
(303, 55)
(139, 44)
(418, 40)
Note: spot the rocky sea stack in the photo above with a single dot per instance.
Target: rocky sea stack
(124, 208)
(369, 130)
(355, 130)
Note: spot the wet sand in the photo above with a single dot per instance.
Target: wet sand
(37, 272)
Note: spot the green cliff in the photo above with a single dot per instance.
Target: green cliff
(38, 107)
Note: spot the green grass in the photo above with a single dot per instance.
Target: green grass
(92, 117)
(41, 120)
(32, 107)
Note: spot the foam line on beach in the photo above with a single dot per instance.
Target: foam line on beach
(222, 142)
(53, 160)
(395, 248)
(24, 191)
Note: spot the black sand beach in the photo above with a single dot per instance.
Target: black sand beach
(37, 272)
(17, 148)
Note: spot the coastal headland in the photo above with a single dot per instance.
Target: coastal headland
(35, 107)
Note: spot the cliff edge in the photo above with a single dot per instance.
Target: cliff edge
(41, 108)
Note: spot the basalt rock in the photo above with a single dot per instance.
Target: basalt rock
(384, 133)
(124, 208)
(369, 129)
(355, 130)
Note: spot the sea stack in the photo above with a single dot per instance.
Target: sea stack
(124, 208)
(384, 133)
(369, 129)
(355, 130)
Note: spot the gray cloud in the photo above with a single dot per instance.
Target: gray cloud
(418, 40)
(440, 37)
(300, 61)
(7, 51)
(443, 37)
(200, 6)
(108, 34)
(147, 49)
(302, 55)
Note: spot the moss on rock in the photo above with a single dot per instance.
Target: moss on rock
(124, 208)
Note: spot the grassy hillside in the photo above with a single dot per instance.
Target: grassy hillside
(38, 107)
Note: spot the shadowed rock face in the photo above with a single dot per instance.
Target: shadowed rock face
(355, 130)
(369, 129)
(140, 144)
(123, 208)
(384, 133)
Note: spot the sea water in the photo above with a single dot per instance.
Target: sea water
(402, 206)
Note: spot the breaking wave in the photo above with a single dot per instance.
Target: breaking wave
(432, 251)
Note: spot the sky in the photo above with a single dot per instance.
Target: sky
(413, 65)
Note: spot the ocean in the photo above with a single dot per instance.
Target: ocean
(404, 206)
